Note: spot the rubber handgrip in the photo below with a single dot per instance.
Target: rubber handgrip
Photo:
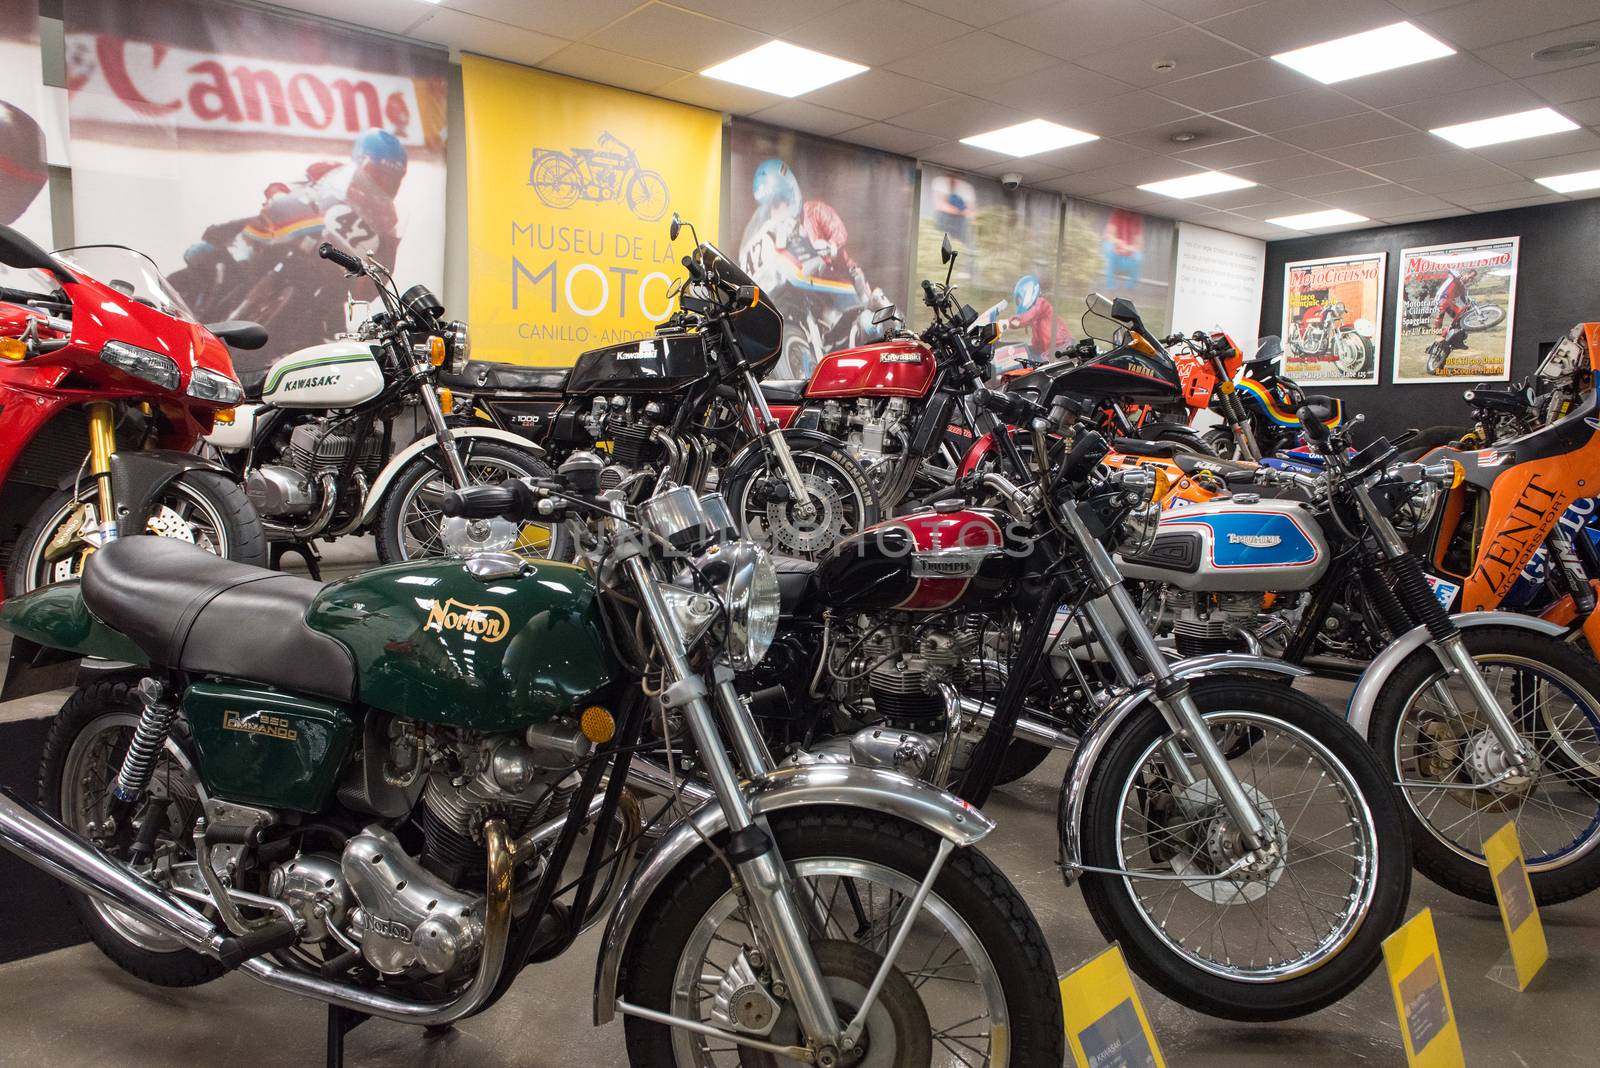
(340, 257)
(480, 502)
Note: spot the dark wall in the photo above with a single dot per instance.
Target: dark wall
(1558, 284)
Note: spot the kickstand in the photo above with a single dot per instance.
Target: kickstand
(303, 549)
(341, 1021)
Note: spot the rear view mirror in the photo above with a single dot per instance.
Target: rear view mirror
(1123, 311)
(676, 228)
(1100, 304)
(947, 251)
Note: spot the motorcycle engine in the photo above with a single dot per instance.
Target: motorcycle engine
(872, 429)
(1214, 622)
(322, 446)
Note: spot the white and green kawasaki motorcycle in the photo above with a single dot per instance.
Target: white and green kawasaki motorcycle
(315, 443)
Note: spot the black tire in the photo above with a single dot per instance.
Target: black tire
(1021, 758)
(969, 883)
(1432, 438)
(1220, 441)
(177, 968)
(1552, 883)
(1437, 355)
(738, 486)
(1120, 919)
(244, 539)
(429, 464)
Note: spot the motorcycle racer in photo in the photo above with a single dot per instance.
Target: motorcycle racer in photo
(1452, 300)
(1047, 334)
(797, 250)
(1122, 242)
(239, 269)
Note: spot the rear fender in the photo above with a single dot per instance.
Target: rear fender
(838, 785)
(52, 627)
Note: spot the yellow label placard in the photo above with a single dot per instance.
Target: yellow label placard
(1422, 996)
(1106, 1023)
(1518, 911)
(571, 189)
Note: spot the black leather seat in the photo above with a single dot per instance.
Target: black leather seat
(784, 390)
(191, 610)
(512, 377)
(252, 380)
(794, 583)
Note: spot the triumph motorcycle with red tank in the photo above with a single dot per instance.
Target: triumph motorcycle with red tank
(686, 401)
(106, 382)
(1240, 842)
(395, 793)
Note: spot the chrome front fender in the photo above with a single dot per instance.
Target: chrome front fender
(1106, 725)
(1365, 696)
(817, 784)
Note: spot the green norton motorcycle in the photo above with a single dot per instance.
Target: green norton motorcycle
(395, 792)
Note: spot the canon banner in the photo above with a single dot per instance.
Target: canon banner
(24, 170)
(571, 191)
(1455, 311)
(1333, 319)
(1006, 243)
(228, 143)
(824, 228)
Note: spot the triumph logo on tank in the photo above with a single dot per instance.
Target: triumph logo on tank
(484, 622)
(1255, 541)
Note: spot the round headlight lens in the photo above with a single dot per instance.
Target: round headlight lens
(459, 341)
(751, 597)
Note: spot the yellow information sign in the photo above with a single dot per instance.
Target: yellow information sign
(1518, 910)
(571, 188)
(1421, 995)
(1106, 1024)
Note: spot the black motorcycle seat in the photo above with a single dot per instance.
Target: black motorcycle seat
(513, 377)
(794, 583)
(252, 380)
(784, 390)
(1161, 450)
(1189, 463)
(190, 610)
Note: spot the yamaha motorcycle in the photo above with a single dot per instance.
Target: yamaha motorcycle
(1203, 796)
(312, 443)
(394, 793)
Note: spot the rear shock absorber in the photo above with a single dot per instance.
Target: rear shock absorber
(149, 737)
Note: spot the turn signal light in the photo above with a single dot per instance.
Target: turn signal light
(12, 349)
(222, 415)
(436, 350)
(597, 725)
(1460, 474)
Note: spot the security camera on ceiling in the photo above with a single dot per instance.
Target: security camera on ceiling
(1011, 179)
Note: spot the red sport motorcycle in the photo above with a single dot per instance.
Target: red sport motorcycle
(106, 382)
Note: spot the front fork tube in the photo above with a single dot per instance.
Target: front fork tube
(102, 443)
(759, 865)
(768, 427)
(441, 430)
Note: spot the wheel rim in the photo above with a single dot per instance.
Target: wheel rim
(421, 519)
(647, 197)
(181, 512)
(1265, 927)
(556, 183)
(836, 508)
(943, 959)
(88, 772)
(1556, 809)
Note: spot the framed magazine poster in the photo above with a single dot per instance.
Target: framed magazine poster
(1456, 307)
(1333, 319)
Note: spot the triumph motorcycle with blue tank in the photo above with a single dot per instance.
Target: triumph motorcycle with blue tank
(396, 792)
(1238, 841)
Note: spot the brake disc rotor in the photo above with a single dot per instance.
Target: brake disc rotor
(807, 529)
(166, 523)
(1214, 845)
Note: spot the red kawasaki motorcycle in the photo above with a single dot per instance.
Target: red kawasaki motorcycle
(106, 381)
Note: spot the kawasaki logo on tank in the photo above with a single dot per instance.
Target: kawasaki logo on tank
(306, 383)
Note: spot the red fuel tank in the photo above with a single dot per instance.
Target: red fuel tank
(904, 367)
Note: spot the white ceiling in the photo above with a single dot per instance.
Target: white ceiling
(947, 69)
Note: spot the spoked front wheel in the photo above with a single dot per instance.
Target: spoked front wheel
(1230, 934)
(1457, 785)
(840, 498)
(973, 983)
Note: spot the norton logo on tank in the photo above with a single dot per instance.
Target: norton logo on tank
(569, 215)
(484, 622)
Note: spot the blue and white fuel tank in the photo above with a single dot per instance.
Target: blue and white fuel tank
(1234, 545)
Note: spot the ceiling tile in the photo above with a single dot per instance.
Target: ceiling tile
(1495, 194)
(1274, 171)
(1319, 185)
(691, 42)
(1415, 204)
(469, 33)
(1093, 155)
(1369, 197)
(1260, 79)
(1527, 202)
(890, 138)
(1457, 165)
(960, 156)
(1081, 185)
(1544, 168)
(1053, 89)
(558, 18)
(1293, 109)
(1423, 216)
(1133, 198)
(1516, 57)
(968, 63)
(1275, 208)
(1420, 81)
(876, 32)
(1353, 129)
(1189, 211)
(1574, 83)
(960, 116)
(717, 96)
(1234, 199)
(878, 94)
(978, 14)
(768, 16)
(1146, 170)
(1087, 26)
(1032, 170)
(1120, 114)
(1246, 150)
(1285, 24)
(1486, 22)
(383, 15)
(1209, 132)
(1448, 184)
(1584, 111)
(1561, 144)
(1389, 149)
(804, 115)
(1198, 10)
(1195, 52)
(609, 68)
(1487, 101)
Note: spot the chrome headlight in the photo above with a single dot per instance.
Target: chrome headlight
(1139, 529)
(458, 342)
(750, 595)
(211, 386)
(1415, 506)
(142, 363)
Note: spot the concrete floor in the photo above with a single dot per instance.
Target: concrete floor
(73, 1007)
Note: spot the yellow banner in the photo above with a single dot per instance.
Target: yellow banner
(1518, 911)
(571, 187)
(1105, 1020)
(1421, 995)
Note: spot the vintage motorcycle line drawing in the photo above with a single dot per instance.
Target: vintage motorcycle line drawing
(608, 172)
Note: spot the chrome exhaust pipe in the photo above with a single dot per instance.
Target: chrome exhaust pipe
(1029, 730)
(61, 853)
